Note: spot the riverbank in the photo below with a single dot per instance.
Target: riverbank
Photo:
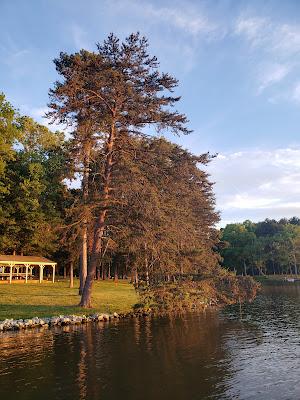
(33, 305)
(276, 278)
(23, 301)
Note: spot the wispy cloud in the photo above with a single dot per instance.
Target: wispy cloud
(185, 19)
(282, 38)
(252, 28)
(286, 39)
(184, 16)
(178, 30)
(275, 47)
(13, 56)
(271, 74)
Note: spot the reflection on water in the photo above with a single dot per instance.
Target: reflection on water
(214, 355)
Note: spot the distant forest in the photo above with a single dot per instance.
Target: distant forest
(267, 247)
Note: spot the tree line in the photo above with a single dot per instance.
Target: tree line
(266, 247)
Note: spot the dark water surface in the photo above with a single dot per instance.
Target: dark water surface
(214, 355)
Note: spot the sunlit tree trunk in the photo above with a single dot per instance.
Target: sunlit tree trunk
(116, 273)
(84, 250)
(100, 223)
(71, 274)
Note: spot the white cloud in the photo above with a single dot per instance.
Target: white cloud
(252, 28)
(15, 57)
(183, 16)
(275, 37)
(257, 184)
(286, 39)
(275, 47)
(247, 201)
(271, 74)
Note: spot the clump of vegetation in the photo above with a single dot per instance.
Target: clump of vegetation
(195, 293)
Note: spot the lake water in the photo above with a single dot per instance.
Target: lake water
(212, 355)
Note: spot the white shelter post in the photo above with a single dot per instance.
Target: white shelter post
(26, 275)
(41, 272)
(10, 272)
(53, 276)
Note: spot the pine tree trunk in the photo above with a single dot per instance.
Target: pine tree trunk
(85, 189)
(86, 300)
(71, 274)
(116, 273)
(83, 259)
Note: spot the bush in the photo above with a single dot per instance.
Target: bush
(195, 294)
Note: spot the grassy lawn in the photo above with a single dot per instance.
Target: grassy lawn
(20, 300)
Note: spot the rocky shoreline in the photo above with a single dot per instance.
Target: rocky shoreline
(64, 320)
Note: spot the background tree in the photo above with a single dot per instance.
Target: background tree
(269, 247)
(33, 166)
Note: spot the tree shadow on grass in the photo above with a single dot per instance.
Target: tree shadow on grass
(28, 311)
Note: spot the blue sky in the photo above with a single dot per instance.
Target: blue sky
(237, 63)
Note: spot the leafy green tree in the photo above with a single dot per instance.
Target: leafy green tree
(239, 253)
(268, 247)
(33, 165)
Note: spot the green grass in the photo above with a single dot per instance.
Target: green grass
(20, 300)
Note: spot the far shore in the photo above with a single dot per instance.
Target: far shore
(277, 278)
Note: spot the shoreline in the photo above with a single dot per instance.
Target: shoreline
(65, 320)
(18, 325)
(114, 301)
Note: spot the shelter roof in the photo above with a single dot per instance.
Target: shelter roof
(7, 259)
